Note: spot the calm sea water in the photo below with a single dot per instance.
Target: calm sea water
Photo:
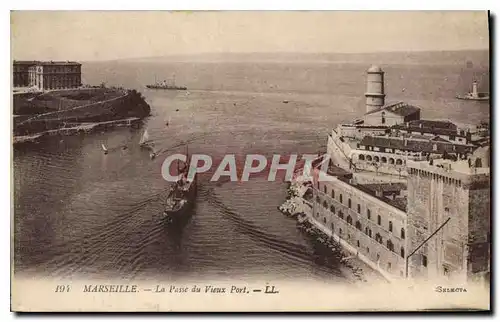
(79, 212)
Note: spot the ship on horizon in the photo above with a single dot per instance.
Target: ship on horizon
(165, 85)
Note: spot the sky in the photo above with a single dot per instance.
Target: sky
(103, 35)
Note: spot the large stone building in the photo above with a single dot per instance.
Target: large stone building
(20, 71)
(47, 75)
(370, 218)
(384, 223)
(456, 194)
(442, 173)
(389, 135)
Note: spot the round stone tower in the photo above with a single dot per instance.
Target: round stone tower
(375, 96)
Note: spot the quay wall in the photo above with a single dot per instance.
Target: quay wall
(338, 151)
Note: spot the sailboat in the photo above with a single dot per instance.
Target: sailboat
(104, 149)
(144, 138)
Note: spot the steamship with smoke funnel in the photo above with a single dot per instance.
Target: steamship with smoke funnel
(165, 85)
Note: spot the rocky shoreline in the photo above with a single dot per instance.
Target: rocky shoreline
(295, 207)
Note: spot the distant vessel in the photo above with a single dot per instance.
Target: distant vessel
(165, 85)
(145, 142)
(475, 95)
(104, 149)
(182, 195)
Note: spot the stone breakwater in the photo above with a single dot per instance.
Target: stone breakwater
(295, 206)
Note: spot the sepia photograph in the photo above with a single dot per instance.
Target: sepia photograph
(250, 161)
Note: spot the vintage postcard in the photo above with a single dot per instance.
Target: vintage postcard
(250, 161)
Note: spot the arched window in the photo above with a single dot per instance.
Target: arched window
(402, 233)
(333, 193)
(341, 215)
(391, 161)
(349, 202)
(324, 189)
(379, 220)
(366, 230)
(324, 220)
(358, 225)
(390, 226)
(340, 231)
(358, 244)
(368, 213)
(478, 163)
(359, 208)
(378, 238)
(399, 162)
(362, 157)
(340, 198)
(390, 245)
(370, 233)
(332, 209)
(325, 205)
(383, 118)
(349, 220)
(376, 159)
(384, 160)
(402, 252)
(368, 158)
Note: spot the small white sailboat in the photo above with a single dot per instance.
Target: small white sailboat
(104, 149)
(144, 139)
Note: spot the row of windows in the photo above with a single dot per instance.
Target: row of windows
(367, 231)
(375, 158)
(349, 204)
(358, 244)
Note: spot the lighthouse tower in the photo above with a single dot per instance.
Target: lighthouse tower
(375, 96)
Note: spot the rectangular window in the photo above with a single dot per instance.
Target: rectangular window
(368, 213)
(424, 260)
(359, 208)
